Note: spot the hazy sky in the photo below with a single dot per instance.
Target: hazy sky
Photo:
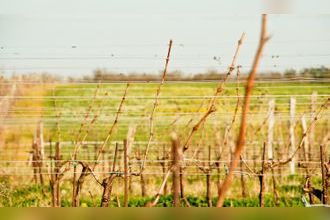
(75, 37)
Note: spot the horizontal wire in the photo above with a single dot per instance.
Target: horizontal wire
(150, 82)
(229, 86)
(80, 112)
(177, 65)
(175, 44)
(159, 173)
(149, 161)
(86, 154)
(161, 97)
(138, 143)
(121, 70)
(163, 123)
(113, 109)
(161, 114)
(202, 153)
(155, 146)
(271, 87)
(115, 56)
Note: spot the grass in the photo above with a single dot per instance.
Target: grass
(37, 196)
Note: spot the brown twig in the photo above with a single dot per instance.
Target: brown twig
(75, 151)
(230, 127)
(161, 189)
(237, 102)
(175, 169)
(113, 126)
(57, 175)
(90, 170)
(248, 90)
(92, 197)
(89, 128)
(107, 182)
(163, 164)
(197, 111)
(84, 122)
(151, 118)
(218, 91)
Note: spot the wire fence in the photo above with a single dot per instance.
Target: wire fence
(78, 116)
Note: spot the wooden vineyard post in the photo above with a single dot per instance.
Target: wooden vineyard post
(41, 150)
(281, 148)
(270, 149)
(306, 149)
(143, 185)
(305, 144)
(56, 176)
(38, 153)
(58, 159)
(271, 122)
(218, 152)
(34, 162)
(128, 142)
(262, 177)
(176, 157)
(324, 175)
(292, 133)
(125, 173)
(52, 173)
(312, 126)
(41, 141)
(208, 179)
(163, 164)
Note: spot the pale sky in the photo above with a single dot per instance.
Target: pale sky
(76, 37)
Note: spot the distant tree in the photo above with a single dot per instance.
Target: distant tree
(71, 79)
(290, 73)
(275, 75)
(176, 76)
(210, 75)
(321, 72)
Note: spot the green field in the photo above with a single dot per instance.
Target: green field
(62, 108)
(177, 100)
